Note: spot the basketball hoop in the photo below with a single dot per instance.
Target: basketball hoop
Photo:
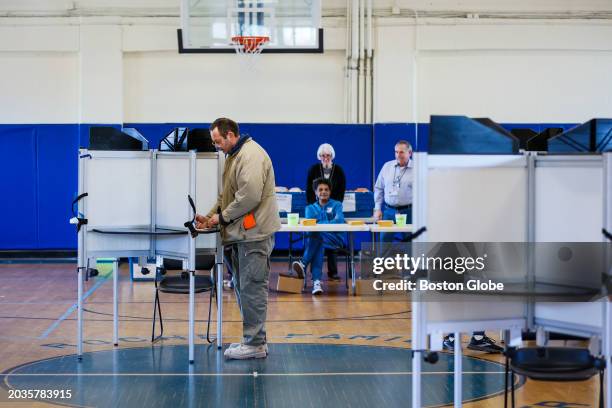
(248, 48)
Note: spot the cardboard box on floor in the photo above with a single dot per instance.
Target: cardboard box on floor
(289, 284)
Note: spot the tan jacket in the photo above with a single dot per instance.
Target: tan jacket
(248, 185)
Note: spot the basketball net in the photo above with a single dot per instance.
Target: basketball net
(249, 48)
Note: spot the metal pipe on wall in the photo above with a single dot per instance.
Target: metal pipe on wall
(354, 59)
(361, 86)
(369, 64)
(415, 79)
(347, 82)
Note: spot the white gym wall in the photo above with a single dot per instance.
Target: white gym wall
(112, 69)
(556, 72)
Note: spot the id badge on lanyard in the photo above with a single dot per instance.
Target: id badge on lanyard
(394, 191)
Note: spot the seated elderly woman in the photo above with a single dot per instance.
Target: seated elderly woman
(326, 211)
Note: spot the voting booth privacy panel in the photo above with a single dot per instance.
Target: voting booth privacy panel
(526, 197)
(138, 204)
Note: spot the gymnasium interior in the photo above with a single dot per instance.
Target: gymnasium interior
(106, 157)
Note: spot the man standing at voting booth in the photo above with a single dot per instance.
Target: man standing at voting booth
(247, 213)
(393, 189)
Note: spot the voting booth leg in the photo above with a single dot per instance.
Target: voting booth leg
(506, 372)
(219, 270)
(80, 310)
(116, 302)
(191, 262)
(80, 265)
(191, 314)
(457, 380)
(417, 317)
(607, 339)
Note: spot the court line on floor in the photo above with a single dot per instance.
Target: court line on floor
(72, 308)
(252, 374)
(380, 316)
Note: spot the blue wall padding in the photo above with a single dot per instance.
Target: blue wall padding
(39, 167)
(387, 134)
(293, 149)
(57, 185)
(19, 187)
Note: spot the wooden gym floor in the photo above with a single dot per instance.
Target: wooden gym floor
(38, 322)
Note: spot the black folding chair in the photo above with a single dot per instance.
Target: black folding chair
(553, 364)
(179, 284)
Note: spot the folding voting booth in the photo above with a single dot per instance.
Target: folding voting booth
(467, 198)
(140, 204)
(511, 198)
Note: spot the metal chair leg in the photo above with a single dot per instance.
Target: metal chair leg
(212, 294)
(157, 309)
(601, 388)
(506, 384)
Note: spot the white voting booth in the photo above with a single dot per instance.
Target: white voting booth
(514, 198)
(137, 204)
(572, 202)
(467, 199)
(569, 207)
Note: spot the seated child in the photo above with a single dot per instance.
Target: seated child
(325, 211)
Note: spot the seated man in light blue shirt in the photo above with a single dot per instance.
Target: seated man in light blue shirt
(393, 189)
(326, 211)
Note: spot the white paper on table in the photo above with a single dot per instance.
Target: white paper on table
(284, 202)
(350, 203)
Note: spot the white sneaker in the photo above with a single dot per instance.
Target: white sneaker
(299, 268)
(234, 345)
(316, 288)
(244, 352)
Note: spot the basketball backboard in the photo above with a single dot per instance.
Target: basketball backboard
(293, 26)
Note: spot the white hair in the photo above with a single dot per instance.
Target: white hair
(326, 148)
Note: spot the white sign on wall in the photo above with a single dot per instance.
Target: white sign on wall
(284, 202)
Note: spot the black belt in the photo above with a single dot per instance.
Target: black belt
(399, 207)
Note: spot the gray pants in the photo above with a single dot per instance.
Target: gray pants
(251, 268)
